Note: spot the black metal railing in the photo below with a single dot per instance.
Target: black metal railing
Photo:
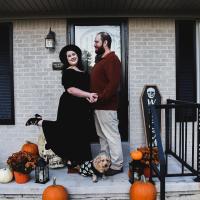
(159, 171)
(180, 140)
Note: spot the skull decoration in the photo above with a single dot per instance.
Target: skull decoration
(54, 160)
(151, 92)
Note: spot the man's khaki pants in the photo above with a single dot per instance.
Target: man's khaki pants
(106, 123)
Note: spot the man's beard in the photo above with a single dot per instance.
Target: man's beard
(100, 50)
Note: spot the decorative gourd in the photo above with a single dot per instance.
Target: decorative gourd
(142, 190)
(30, 147)
(6, 175)
(136, 155)
(55, 192)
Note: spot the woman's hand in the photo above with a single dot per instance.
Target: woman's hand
(92, 97)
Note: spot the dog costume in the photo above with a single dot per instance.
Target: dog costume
(87, 169)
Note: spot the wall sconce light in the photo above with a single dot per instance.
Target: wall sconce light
(50, 40)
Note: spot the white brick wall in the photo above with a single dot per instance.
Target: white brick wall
(37, 87)
(151, 61)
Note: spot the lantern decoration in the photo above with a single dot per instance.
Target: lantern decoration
(136, 169)
(50, 40)
(41, 171)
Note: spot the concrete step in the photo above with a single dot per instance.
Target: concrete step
(112, 188)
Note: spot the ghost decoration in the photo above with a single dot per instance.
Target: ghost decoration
(151, 92)
(54, 160)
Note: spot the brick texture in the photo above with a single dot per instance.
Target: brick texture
(151, 62)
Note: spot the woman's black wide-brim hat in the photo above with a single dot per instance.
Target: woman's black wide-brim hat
(64, 50)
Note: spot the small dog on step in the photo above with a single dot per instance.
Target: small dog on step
(96, 167)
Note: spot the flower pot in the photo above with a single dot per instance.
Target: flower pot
(21, 177)
(147, 172)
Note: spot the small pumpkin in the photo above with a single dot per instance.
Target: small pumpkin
(55, 192)
(136, 155)
(6, 175)
(142, 190)
(30, 147)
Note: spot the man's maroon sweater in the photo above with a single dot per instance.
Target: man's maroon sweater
(105, 80)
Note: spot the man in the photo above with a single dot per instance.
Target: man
(105, 80)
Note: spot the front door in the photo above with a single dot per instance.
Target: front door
(82, 33)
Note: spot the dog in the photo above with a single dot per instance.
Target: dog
(96, 167)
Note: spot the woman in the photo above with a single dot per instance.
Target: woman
(68, 136)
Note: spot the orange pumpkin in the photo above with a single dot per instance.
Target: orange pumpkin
(142, 190)
(136, 155)
(55, 192)
(30, 147)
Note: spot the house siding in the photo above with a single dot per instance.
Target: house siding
(151, 62)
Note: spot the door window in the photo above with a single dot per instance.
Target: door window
(84, 38)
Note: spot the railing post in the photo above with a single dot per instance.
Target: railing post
(162, 188)
(197, 179)
(154, 123)
(167, 135)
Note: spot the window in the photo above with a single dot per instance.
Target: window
(186, 64)
(6, 75)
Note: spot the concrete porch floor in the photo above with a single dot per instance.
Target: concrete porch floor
(112, 188)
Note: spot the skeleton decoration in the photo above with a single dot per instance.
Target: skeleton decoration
(54, 160)
(151, 96)
(151, 92)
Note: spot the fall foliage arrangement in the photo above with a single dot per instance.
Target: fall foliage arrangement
(22, 162)
(146, 155)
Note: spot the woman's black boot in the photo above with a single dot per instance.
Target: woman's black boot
(34, 120)
(73, 167)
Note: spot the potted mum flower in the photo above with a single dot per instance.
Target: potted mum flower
(146, 158)
(22, 163)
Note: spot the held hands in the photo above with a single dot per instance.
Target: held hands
(92, 98)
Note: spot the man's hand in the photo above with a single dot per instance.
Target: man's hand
(92, 98)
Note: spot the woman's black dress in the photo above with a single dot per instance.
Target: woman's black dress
(69, 135)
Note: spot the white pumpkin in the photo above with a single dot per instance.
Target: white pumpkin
(6, 175)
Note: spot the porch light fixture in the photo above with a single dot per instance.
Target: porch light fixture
(41, 171)
(50, 40)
